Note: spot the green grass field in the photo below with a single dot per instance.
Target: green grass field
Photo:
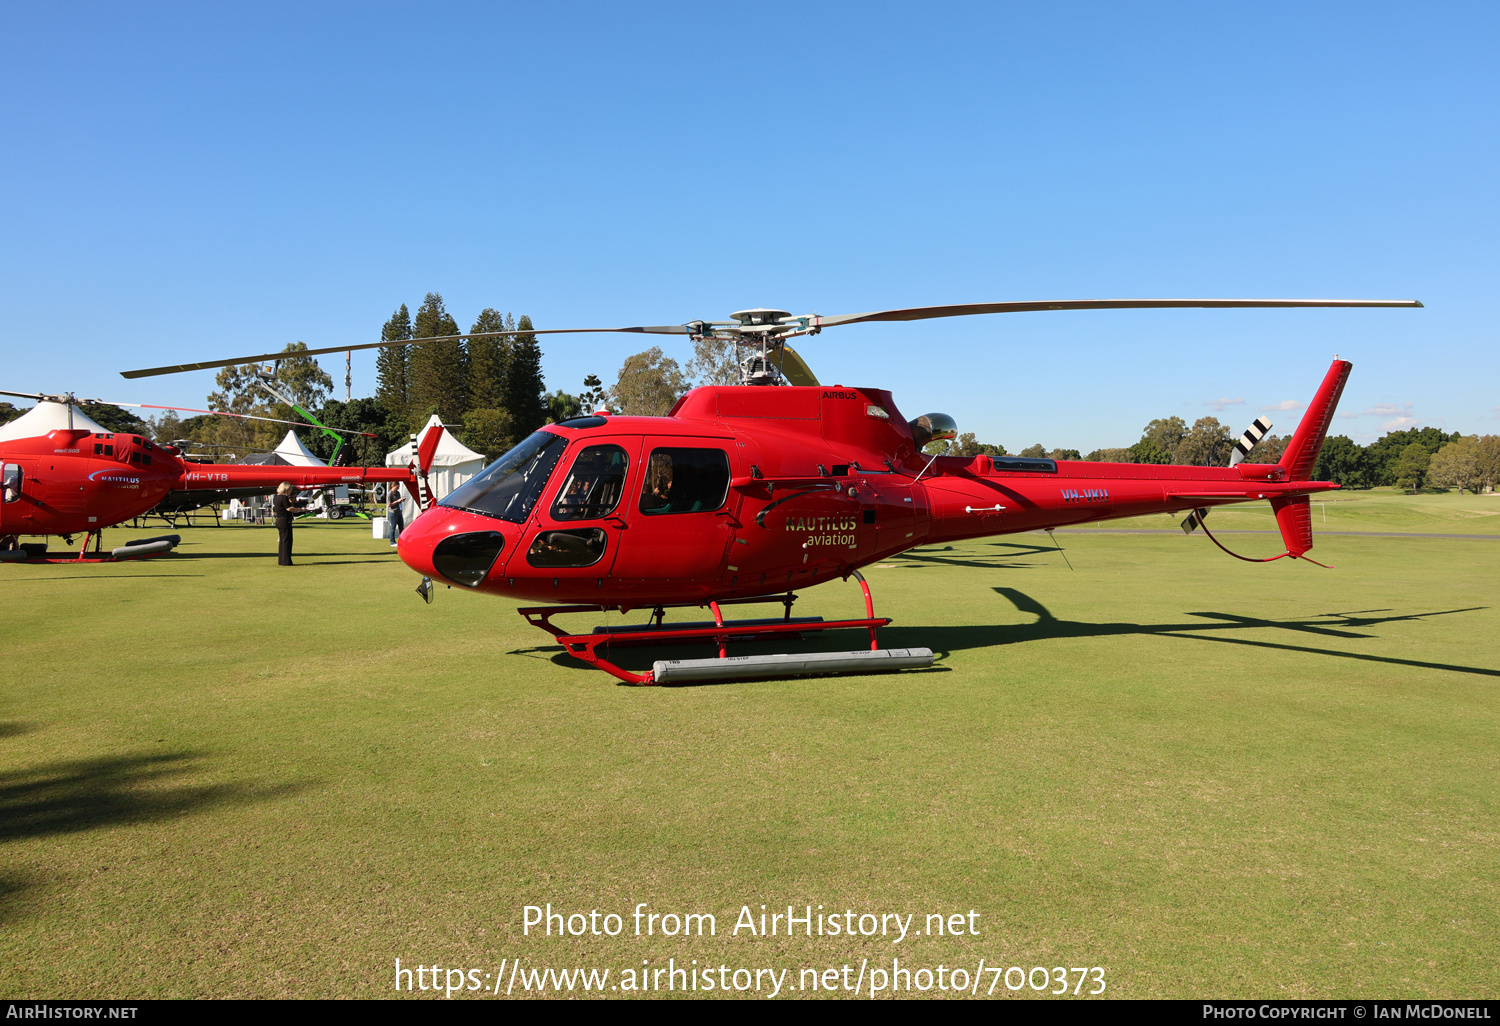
(219, 777)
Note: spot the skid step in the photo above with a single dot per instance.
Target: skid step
(705, 623)
(883, 660)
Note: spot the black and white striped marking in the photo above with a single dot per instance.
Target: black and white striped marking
(1194, 519)
(416, 470)
(1254, 433)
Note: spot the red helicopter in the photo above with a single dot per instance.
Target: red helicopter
(81, 479)
(749, 494)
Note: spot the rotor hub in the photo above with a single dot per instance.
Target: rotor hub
(761, 316)
(761, 334)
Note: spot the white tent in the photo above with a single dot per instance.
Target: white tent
(452, 465)
(294, 452)
(45, 417)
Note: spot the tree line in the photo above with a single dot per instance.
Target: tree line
(488, 389)
(490, 392)
(1411, 460)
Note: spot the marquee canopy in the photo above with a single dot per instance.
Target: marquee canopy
(45, 417)
(452, 465)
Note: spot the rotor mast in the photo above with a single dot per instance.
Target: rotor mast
(760, 335)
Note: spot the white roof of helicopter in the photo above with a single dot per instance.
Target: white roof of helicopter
(45, 417)
(294, 452)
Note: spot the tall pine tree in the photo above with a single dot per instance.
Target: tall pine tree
(523, 394)
(489, 361)
(392, 387)
(436, 369)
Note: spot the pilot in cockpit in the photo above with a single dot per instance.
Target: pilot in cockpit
(593, 487)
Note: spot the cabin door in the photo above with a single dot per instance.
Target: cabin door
(682, 515)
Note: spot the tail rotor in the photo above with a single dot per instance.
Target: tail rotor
(1253, 434)
(424, 450)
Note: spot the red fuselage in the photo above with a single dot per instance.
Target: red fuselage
(75, 481)
(776, 489)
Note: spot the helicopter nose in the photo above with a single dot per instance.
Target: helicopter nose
(415, 544)
(456, 546)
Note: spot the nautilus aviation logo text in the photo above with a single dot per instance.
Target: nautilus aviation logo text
(115, 477)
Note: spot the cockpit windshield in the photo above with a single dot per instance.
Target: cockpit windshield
(510, 487)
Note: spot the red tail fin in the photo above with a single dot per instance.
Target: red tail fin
(1302, 452)
(428, 447)
(1294, 517)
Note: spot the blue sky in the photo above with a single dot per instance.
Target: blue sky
(197, 181)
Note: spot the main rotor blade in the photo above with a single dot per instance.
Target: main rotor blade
(910, 314)
(795, 369)
(39, 397)
(922, 313)
(662, 329)
(239, 416)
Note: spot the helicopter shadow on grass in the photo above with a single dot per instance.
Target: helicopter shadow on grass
(338, 562)
(945, 640)
(74, 796)
(913, 558)
(103, 577)
(1347, 625)
(11, 889)
(639, 658)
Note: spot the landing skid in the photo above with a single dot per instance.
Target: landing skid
(142, 548)
(720, 632)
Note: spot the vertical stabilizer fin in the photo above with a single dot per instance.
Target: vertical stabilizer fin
(427, 448)
(1302, 451)
(1294, 517)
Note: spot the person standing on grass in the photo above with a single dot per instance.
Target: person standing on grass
(283, 507)
(393, 516)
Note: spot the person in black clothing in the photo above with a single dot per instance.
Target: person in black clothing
(283, 506)
(393, 516)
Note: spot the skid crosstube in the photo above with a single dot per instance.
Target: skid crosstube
(587, 646)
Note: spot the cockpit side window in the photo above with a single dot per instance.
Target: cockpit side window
(510, 487)
(685, 481)
(580, 547)
(10, 482)
(594, 484)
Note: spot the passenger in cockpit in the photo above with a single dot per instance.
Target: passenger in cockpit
(658, 489)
